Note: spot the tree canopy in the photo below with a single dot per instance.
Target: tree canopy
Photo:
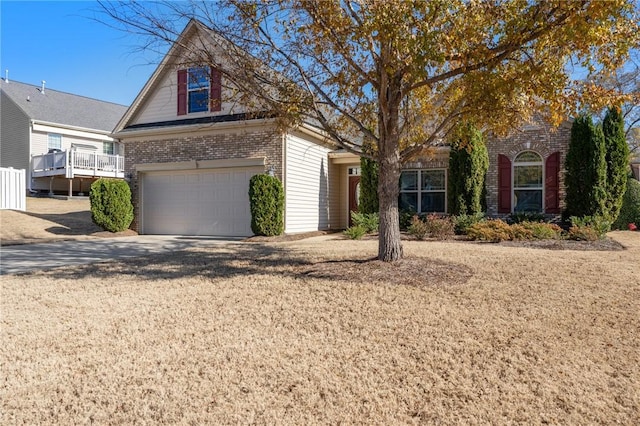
(402, 74)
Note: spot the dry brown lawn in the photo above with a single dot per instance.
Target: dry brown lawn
(269, 333)
(49, 219)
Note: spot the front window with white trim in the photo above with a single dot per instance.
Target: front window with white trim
(198, 89)
(108, 148)
(527, 182)
(54, 141)
(423, 191)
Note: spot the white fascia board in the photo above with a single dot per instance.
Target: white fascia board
(43, 126)
(191, 129)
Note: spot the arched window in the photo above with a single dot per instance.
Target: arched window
(528, 182)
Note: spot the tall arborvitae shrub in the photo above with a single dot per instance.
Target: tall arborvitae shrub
(617, 159)
(266, 199)
(368, 202)
(468, 165)
(585, 170)
(630, 211)
(111, 207)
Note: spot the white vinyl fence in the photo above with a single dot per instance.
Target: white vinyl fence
(12, 189)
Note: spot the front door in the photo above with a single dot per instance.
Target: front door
(354, 195)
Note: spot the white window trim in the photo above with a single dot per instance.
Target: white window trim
(420, 191)
(514, 164)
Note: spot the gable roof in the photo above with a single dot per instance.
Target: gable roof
(62, 108)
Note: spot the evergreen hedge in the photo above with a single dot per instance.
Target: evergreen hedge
(468, 165)
(266, 198)
(630, 211)
(111, 207)
(617, 160)
(585, 170)
(368, 201)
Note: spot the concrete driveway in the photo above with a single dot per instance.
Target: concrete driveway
(30, 257)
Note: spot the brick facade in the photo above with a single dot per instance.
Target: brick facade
(541, 139)
(266, 142)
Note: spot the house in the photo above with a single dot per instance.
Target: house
(63, 141)
(191, 152)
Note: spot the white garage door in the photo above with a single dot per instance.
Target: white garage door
(197, 202)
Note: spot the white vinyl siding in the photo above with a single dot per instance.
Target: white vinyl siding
(14, 140)
(306, 186)
(197, 202)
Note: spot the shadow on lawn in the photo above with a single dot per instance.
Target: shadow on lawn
(224, 261)
(73, 223)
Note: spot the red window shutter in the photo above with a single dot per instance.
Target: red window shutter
(504, 184)
(215, 96)
(552, 184)
(182, 92)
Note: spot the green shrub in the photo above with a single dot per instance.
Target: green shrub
(368, 221)
(630, 211)
(368, 202)
(617, 159)
(468, 165)
(355, 232)
(490, 230)
(111, 207)
(266, 198)
(418, 228)
(542, 230)
(519, 232)
(519, 217)
(586, 170)
(588, 228)
(405, 218)
(463, 221)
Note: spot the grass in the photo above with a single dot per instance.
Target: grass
(270, 333)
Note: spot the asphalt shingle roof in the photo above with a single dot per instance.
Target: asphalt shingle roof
(63, 108)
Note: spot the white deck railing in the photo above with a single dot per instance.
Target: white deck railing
(82, 163)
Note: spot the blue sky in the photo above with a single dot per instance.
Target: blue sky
(59, 42)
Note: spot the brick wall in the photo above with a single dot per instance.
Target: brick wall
(541, 139)
(216, 146)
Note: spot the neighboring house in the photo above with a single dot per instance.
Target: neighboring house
(63, 141)
(191, 153)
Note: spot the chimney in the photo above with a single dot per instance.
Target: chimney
(6, 76)
(42, 91)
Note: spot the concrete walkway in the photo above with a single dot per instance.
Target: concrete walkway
(30, 257)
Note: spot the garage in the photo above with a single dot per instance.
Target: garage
(197, 202)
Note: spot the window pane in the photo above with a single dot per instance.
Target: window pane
(408, 201)
(198, 78)
(55, 141)
(107, 148)
(409, 181)
(527, 176)
(432, 202)
(528, 200)
(199, 100)
(432, 180)
(528, 157)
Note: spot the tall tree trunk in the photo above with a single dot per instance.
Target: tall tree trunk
(389, 243)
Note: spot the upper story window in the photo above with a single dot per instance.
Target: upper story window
(108, 148)
(199, 90)
(527, 182)
(54, 141)
(423, 191)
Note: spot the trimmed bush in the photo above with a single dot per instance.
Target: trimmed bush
(490, 230)
(266, 198)
(368, 221)
(462, 222)
(630, 211)
(355, 232)
(588, 228)
(586, 170)
(432, 226)
(468, 165)
(617, 159)
(520, 217)
(111, 207)
(405, 217)
(542, 230)
(368, 202)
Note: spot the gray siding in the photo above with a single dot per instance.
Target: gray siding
(14, 136)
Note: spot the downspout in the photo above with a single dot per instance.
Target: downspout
(30, 179)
